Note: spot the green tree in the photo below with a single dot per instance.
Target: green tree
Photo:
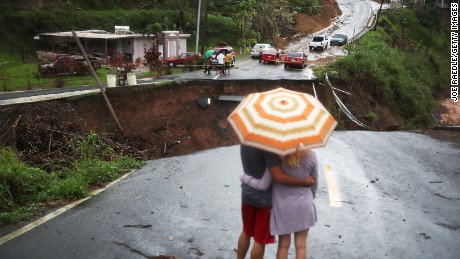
(427, 12)
(268, 18)
(182, 7)
(152, 29)
(273, 17)
(311, 7)
(245, 16)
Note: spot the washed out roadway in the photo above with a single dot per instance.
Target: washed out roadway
(399, 198)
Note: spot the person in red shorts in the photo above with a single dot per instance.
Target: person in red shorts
(256, 204)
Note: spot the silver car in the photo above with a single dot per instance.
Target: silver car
(255, 49)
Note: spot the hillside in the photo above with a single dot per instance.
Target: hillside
(392, 82)
(21, 20)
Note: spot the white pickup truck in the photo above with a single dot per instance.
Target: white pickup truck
(319, 42)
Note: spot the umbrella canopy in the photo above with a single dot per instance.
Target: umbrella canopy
(208, 53)
(281, 120)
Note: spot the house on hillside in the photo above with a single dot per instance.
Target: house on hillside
(105, 44)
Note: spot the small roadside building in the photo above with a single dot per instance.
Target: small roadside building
(105, 44)
(172, 43)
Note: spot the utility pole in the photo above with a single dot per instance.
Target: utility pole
(98, 82)
(204, 39)
(198, 26)
(378, 14)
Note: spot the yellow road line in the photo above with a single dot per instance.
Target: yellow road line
(56, 213)
(334, 193)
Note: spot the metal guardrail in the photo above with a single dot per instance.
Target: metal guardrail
(369, 25)
(345, 109)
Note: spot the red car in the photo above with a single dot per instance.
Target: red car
(270, 56)
(182, 59)
(296, 59)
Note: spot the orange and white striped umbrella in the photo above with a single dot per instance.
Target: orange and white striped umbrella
(281, 120)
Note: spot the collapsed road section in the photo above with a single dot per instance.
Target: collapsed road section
(158, 120)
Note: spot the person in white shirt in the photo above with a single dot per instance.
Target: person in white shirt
(220, 62)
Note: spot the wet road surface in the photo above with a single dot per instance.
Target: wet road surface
(396, 195)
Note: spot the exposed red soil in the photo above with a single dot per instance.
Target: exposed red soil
(307, 24)
(451, 116)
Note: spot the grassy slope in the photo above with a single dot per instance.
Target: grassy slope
(393, 66)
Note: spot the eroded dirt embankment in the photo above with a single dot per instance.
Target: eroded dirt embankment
(157, 121)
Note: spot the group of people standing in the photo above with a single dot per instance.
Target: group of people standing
(281, 208)
(222, 59)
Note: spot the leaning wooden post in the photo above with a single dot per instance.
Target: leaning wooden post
(378, 15)
(98, 83)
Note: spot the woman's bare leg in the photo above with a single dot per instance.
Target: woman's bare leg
(284, 243)
(300, 241)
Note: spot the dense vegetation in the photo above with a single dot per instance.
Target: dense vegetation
(25, 189)
(220, 20)
(403, 64)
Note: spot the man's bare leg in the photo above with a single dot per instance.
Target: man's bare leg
(258, 250)
(243, 245)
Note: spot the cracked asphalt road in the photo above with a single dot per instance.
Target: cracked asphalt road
(399, 197)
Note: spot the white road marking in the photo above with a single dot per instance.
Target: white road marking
(334, 193)
(56, 213)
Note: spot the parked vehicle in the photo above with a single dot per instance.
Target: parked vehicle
(226, 50)
(270, 56)
(338, 39)
(319, 42)
(67, 65)
(255, 49)
(296, 59)
(184, 58)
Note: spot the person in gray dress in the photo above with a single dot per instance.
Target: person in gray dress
(256, 204)
(293, 210)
